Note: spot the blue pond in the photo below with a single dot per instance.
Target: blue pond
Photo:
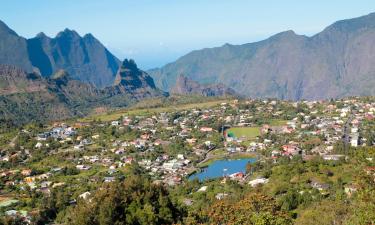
(222, 167)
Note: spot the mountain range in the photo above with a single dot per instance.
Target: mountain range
(84, 58)
(337, 62)
(69, 75)
(45, 78)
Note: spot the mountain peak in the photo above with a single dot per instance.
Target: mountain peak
(85, 59)
(354, 24)
(5, 29)
(131, 78)
(129, 64)
(89, 36)
(68, 33)
(128, 69)
(284, 34)
(337, 62)
(41, 35)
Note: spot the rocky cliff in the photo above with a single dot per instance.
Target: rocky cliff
(337, 62)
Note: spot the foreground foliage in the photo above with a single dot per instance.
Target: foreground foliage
(133, 201)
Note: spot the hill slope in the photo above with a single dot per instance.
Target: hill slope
(338, 62)
(26, 97)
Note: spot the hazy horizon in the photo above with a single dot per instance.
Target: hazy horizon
(155, 33)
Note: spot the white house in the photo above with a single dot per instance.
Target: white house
(85, 195)
(258, 181)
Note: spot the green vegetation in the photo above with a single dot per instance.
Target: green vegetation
(133, 201)
(140, 110)
(247, 132)
(135, 170)
(7, 202)
(275, 122)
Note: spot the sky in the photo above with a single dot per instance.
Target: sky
(156, 32)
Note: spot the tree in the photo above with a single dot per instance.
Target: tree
(248, 168)
(134, 201)
(326, 212)
(255, 208)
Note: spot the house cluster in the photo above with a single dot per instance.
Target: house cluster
(59, 131)
(325, 124)
(169, 145)
(152, 144)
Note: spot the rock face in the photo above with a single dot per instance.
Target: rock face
(84, 58)
(337, 62)
(133, 81)
(185, 86)
(13, 49)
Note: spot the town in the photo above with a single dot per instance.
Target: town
(174, 144)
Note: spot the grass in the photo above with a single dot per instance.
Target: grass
(7, 202)
(51, 161)
(247, 132)
(143, 112)
(275, 122)
(218, 152)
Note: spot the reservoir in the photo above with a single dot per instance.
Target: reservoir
(222, 167)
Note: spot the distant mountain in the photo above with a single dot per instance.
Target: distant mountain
(337, 62)
(13, 49)
(26, 97)
(84, 58)
(186, 86)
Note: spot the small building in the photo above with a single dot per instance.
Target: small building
(202, 189)
(220, 196)
(115, 123)
(85, 195)
(258, 181)
(206, 129)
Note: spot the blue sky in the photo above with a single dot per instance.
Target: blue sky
(155, 32)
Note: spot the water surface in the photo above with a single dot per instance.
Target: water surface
(222, 167)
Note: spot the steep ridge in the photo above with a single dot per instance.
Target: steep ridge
(133, 81)
(13, 49)
(84, 58)
(337, 62)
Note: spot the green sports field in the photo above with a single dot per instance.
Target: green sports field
(247, 132)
